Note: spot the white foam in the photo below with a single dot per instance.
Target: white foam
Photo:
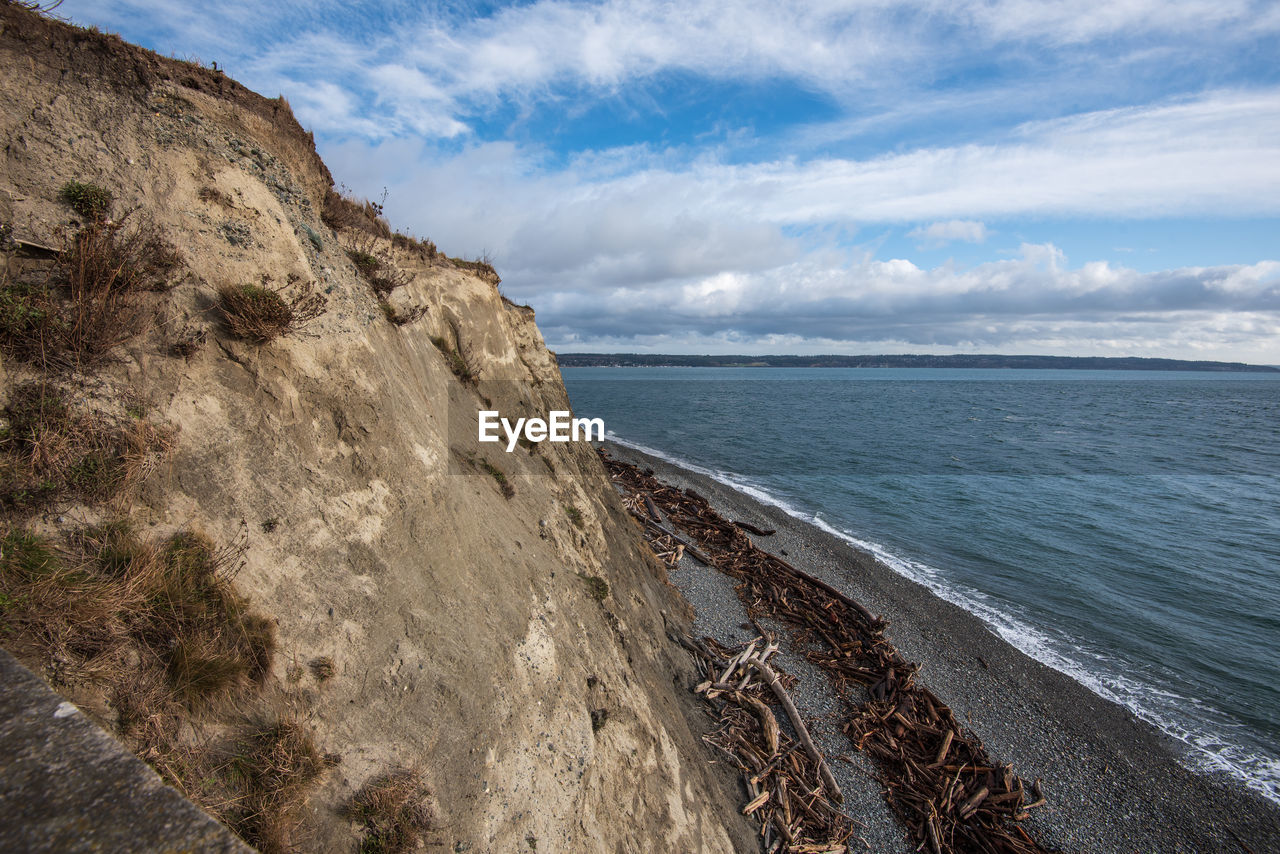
(654, 452)
(1209, 752)
(1158, 707)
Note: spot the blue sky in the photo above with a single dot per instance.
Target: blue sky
(1096, 177)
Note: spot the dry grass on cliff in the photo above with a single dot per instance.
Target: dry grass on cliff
(158, 629)
(482, 268)
(402, 318)
(343, 212)
(275, 763)
(258, 314)
(504, 484)
(48, 451)
(425, 249)
(109, 597)
(89, 301)
(395, 812)
(455, 360)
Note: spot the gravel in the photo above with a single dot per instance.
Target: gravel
(1114, 783)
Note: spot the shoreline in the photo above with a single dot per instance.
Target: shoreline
(1114, 782)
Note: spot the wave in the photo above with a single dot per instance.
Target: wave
(1166, 710)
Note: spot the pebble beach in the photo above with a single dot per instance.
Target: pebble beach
(1113, 782)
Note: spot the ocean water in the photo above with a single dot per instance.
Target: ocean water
(1122, 527)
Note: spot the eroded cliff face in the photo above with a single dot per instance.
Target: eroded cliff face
(466, 635)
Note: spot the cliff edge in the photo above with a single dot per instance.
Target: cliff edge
(274, 560)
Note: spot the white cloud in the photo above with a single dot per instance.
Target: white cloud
(624, 242)
(642, 238)
(623, 216)
(942, 233)
(828, 45)
(1075, 22)
(870, 52)
(1034, 303)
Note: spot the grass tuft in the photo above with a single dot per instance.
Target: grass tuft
(209, 640)
(316, 242)
(596, 586)
(343, 212)
(188, 341)
(574, 514)
(259, 314)
(47, 451)
(455, 360)
(57, 612)
(274, 765)
(425, 249)
(482, 268)
(215, 196)
(158, 627)
(27, 557)
(599, 717)
(395, 812)
(496, 473)
(89, 200)
(322, 668)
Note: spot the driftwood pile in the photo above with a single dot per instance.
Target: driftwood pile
(937, 776)
(790, 786)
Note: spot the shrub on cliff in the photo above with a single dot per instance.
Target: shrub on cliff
(482, 268)
(90, 303)
(260, 314)
(344, 212)
(456, 361)
(394, 811)
(104, 268)
(423, 248)
(378, 270)
(89, 200)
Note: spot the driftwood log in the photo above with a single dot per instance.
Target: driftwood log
(752, 529)
(786, 792)
(797, 723)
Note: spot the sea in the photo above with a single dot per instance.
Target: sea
(1122, 527)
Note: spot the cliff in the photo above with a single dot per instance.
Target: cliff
(407, 604)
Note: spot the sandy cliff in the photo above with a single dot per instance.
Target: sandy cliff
(424, 618)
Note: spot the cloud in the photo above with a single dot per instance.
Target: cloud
(631, 215)
(434, 69)
(631, 242)
(1073, 23)
(942, 233)
(746, 233)
(1034, 303)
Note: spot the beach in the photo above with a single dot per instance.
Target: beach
(1113, 782)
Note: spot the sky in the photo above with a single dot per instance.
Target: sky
(1068, 177)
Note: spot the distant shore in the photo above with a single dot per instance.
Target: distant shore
(1114, 783)
(971, 362)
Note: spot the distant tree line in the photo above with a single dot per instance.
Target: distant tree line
(1122, 363)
